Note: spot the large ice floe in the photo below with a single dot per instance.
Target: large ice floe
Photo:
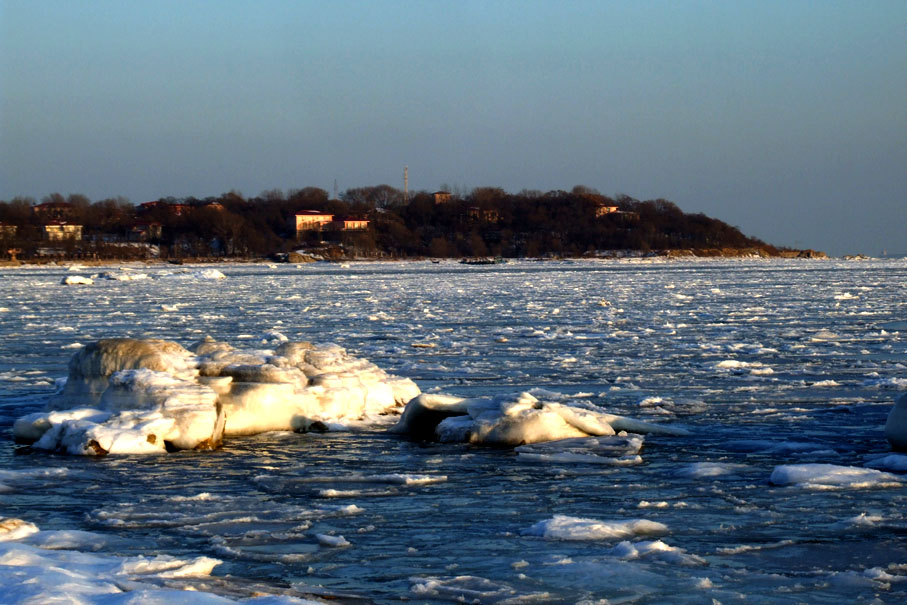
(128, 396)
(513, 420)
(52, 567)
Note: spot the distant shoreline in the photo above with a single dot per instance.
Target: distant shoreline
(296, 259)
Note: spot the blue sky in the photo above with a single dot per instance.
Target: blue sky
(787, 119)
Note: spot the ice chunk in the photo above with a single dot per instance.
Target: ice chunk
(32, 574)
(33, 426)
(456, 429)
(142, 396)
(76, 280)
(15, 529)
(69, 539)
(525, 421)
(143, 411)
(702, 470)
(896, 425)
(563, 527)
(612, 450)
(735, 366)
(200, 274)
(256, 407)
(655, 549)
(512, 420)
(168, 567)
(896, 463)
(426, 411)
(862, 520)
(91, 367)
(124, 275)
(128, 432)
(333, 541)
(830, 476)
(148, 389)
(886, 383)
(470, 589)
(298, 386)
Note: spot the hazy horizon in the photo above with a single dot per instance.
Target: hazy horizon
(785, 119)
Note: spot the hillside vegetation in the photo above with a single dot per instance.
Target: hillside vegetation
(484, 222)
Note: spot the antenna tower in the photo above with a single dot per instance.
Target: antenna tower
(406, 184)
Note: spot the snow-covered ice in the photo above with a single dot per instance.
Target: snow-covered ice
(42, 569)
(747, 401)
(128, 396)
(831, 476)
(77, 280)
(564, 527)
(513, 419)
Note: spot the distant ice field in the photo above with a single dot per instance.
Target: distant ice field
(783, 371)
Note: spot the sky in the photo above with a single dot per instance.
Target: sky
(787, 119)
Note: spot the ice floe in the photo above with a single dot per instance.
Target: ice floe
(42, 567)
(16, 529)
(470, 589)
(655, 549)
(704, 470)
(896, 425)
(892, 382)
(512, 420)
(196, 275)
(149, 396)
(564, 527)
(124, 274)
(863, 520)
(832, 476)
(332, 541)
(896, 463)
(616, 450)
(76, 280)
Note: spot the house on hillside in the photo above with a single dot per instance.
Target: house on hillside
(8, 231)
(311, 220)
(483, 215)
(605, 208)
(349, 223)
(441, 197)
(56, 231)
(213, 206)
(174, 209)
(146, 230)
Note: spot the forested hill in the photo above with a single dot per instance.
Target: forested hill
(484, 222)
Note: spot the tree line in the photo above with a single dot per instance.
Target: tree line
(486, 221)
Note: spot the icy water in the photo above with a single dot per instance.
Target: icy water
(767, 363)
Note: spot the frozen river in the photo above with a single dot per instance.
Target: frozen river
(767, 363)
